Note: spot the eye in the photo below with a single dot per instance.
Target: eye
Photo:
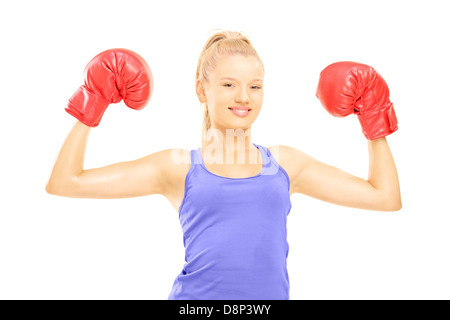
(228, 85)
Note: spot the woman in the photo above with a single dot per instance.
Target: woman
(232, 201)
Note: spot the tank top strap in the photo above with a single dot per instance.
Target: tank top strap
(270, 165)
(196, 156)
(264, 154)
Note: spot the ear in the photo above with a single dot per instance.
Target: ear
(200, 89)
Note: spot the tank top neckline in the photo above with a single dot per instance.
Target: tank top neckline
(264, 158)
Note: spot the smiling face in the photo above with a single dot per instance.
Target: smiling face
(237, 81)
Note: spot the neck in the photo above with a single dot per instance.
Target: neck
(229, 146)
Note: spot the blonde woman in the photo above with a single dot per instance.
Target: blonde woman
(233, 200)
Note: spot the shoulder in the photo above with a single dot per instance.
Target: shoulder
(174, 164)
(177, 157)
(292, 160)
(286, 155)
(169, 159)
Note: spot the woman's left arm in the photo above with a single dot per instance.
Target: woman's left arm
(381, 192)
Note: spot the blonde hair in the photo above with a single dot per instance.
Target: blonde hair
(221, 43)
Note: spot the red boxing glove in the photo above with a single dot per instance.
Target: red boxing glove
(109, 77)
(349, 87)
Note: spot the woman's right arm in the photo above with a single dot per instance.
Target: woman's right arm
(140, 177)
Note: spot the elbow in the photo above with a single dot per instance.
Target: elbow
(48, 189)
(391, 205)
(60, 188)
(52, 189)
(394, 207)
(389, 202)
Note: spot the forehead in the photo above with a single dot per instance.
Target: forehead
(238, 66)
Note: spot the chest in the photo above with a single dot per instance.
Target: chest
(235, 171)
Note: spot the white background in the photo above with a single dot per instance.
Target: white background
(61, 248)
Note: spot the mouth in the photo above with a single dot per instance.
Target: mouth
(240, 111)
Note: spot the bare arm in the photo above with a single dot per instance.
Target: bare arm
(380, 192)
(383, 174)
(69, 164)
(140, 177)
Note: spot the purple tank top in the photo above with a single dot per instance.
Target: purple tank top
(234, 234)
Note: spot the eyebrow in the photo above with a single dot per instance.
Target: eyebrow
(230, 78)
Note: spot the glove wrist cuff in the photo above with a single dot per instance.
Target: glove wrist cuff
(379, 124)
(87, 107)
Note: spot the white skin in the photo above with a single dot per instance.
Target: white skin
(244, 89)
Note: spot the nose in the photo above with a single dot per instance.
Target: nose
(242, 96)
